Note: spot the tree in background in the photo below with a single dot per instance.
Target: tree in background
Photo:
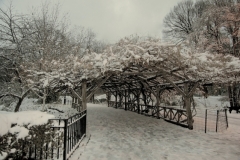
(34, 45)
(179, 23)
(214, 28)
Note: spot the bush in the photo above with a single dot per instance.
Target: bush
(42, 137)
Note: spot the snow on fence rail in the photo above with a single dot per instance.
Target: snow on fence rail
(70, 133)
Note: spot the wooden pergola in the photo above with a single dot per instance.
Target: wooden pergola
(136, 68)
(137, 81)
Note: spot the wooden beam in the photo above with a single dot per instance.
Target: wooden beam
(175, 86)
(76, 94)
(193, 89)
(187, 101)
(89, 95)
(140, 73)
(84, 94)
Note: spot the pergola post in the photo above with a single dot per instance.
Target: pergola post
(187, 99)
(72, 101)
(64, 100)
(84, 94)
(116, 100)
(138, 98)
(93, 99)
(158, 102)
(108, 98)
(84, 104)
(125, 101)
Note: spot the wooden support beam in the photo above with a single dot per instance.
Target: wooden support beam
(76, 94)
(89, 95)
(116, 99)
(138, 99)
(193, 89)
(84, 94)
(187, 100)
(125, 98)
(158, 102)
(175, 86)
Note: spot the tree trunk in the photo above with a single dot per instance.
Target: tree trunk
(18, 104)
(20, 101)
(44, 99)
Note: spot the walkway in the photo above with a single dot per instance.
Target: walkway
(124, 135)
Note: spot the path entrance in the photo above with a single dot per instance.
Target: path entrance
(123, 135)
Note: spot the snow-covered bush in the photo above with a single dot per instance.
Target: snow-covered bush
(38, 136)
(22, 129)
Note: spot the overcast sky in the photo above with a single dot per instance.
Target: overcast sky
(110, 19)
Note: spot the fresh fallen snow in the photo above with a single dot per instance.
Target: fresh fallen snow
(212, 102)
(58, 110)
(30, 114)
(19, 119)
(118, 134)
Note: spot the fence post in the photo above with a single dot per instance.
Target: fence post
(226, 117)
(206, 121)
(217, 120)
(65, 140)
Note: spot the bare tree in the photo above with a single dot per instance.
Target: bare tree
(178, 24)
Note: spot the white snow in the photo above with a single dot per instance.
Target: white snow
(19, 119)
(118, 134)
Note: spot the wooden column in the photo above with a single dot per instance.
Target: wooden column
(84, 94)
(158, 102)
(108, 98)
(93, 99)
(187, 100)
(116, 99)
(64, 99)
(138, 98)
(72, 101)
(125, 108)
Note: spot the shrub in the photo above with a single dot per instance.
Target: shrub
(41, 137)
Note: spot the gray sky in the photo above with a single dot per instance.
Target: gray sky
(110, 19)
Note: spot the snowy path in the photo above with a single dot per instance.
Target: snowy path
(123, 135)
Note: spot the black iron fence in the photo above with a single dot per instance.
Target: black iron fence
(59, 143)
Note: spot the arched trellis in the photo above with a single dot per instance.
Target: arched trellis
(130, 86)
(134, 67)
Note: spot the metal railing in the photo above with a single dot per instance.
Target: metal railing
(66, 136)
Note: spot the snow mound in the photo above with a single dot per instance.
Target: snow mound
(21, 119)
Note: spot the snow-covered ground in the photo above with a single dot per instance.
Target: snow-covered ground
(30, 114)
(118, 134)
(58, 110)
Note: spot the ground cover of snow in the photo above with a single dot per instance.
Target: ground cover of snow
(30, 114)
(118, 134)
(22, 121)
